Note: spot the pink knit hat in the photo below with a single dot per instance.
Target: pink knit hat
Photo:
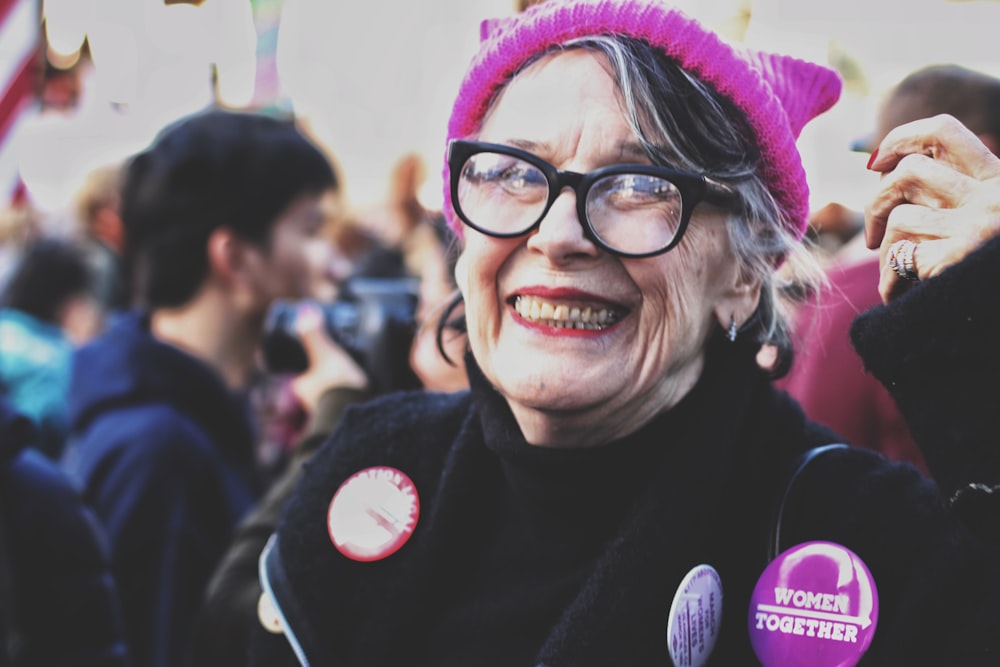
(778, 94)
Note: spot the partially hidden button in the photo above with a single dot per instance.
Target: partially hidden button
(267, 614)
(695, 617)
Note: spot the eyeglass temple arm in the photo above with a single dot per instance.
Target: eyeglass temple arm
(719, 190)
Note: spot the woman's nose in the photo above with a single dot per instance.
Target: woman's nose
(561, 234)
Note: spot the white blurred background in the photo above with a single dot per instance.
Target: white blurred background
(374, 80)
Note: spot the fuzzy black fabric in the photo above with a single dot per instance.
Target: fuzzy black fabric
(936, 349)
(709, 474)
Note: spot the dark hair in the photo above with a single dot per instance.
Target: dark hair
(212, 169)
(50, 272)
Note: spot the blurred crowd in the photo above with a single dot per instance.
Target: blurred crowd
(62, 287)
(371, 310)
(139, 317)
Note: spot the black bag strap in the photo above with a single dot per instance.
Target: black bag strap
(807, 457)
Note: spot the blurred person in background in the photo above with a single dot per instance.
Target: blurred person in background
(46, 312)
(828, 377)
(439, 345)
(98, 220)
(59, 602)
(356, 254)
(222, 215)
(19, 224)
(333, 381)
(226, 616)
(428, 253)
(279, 416)
(395, 219)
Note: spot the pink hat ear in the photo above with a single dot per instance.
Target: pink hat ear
(804, 89)
(490, 28)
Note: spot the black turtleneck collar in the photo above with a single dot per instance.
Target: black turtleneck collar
(503, 435)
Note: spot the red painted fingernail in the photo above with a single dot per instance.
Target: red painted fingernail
(872, 159)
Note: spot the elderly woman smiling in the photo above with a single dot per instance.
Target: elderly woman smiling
(586, 311)
(622, 484)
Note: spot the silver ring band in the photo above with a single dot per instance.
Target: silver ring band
(900, 259)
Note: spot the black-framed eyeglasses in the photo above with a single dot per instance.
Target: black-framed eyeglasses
(630, 210)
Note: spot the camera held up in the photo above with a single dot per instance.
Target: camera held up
(374, 320)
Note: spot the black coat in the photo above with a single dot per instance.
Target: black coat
(708, 495)
(936, 349)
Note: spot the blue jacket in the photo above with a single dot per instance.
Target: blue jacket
(58, 596)
(35, 371)
(164, 452)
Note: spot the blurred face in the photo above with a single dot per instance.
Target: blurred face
(300, 260)
(433, 370)
(586, 385)
(81, 318)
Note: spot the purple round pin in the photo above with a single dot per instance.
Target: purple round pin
(815, 605)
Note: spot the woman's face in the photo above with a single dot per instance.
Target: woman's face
(580, 387)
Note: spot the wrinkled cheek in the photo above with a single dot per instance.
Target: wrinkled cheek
(478, 317)
(666, 328)
(478, 287)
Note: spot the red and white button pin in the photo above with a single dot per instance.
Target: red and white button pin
(373, 513)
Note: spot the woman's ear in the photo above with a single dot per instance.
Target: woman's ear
(739, 302)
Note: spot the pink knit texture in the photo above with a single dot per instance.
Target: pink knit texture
(778, 94)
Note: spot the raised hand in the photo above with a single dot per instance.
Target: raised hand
(939, 199)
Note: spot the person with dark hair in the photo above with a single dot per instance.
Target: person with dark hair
(971, 96)
(46, 312)
(59, 602)
(331, 383)
(222, 215)
(622, 483)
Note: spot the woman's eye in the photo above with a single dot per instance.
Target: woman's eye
(638, 189)
(521, 177)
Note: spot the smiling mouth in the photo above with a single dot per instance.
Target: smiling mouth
(566, 315)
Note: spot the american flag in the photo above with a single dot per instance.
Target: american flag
(20, 35)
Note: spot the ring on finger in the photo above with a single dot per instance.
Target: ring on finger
(901, 259)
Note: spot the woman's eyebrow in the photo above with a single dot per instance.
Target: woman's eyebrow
(631, 151)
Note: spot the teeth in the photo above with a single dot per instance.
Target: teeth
(563, 316)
